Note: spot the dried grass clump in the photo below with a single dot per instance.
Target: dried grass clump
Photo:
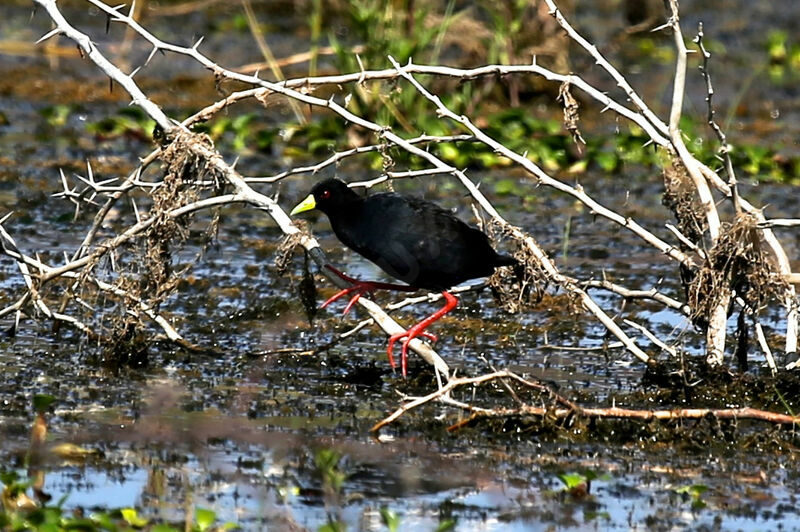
(306, 287)
(740, 262)
(571, 113)
(285, 251)
(680, 198)
(154, 279)
(518, 287)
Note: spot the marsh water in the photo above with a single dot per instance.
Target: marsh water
(244, 433)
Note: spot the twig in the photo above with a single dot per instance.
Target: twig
(653, 338)
(724, 148)
(779, 222)
(338, 156)
(762, 341)
(653, 294)
(676, 136)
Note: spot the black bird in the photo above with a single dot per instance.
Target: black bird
(409, 238)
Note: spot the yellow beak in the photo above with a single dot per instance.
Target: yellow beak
(306, 205)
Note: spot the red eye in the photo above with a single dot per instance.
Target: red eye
(326, 194)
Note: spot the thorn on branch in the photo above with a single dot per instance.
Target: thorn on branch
(363, 75)
(49, 34)
(664, 26)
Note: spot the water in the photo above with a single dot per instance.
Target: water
(240, 432)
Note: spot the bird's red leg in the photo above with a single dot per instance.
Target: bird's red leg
(419, 330)
(360, 288)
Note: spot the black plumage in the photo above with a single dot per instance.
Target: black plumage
(411, 239)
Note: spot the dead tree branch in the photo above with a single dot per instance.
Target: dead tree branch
(568, 408)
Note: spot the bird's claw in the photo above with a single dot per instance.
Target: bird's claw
(408, 335)
(359, 288)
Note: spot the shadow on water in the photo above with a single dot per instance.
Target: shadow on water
(275, 432)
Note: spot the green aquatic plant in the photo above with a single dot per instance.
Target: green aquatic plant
(694, 492)
(57, 115)
(327, 462)
(390, 519)
(129, 121)
(241, 133)
(579, 483)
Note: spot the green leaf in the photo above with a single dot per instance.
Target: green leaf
(590, 475)
(776, 45)
(131, 516)
(448, 152)
(504, 187)
(321, 145)
(333, 526)
(489, 159)
(41, 401)
(390, 519)
(695, 490)
(75, 523)
(57, 115)
(446, 525)
(571, 480)
(242, 121)
(9, 477)
(607, 160)
(204, 518)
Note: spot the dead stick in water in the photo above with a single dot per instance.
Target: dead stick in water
(571, 409)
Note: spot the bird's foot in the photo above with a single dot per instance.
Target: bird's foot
(419, 330)
(409, 335)
(359, 288)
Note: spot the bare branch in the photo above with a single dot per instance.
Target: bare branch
(443, 395)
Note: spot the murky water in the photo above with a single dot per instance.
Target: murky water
(242, 433)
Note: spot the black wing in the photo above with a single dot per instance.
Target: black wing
(420, 243)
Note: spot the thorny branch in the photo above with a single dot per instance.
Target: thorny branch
(211, 159)
(724, 148)
(563, 409)
(642, 116)
(716, 335)
(214, 170)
